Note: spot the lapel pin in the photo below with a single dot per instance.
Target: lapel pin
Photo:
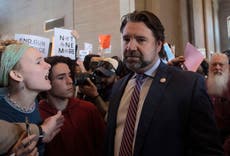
(163, 80)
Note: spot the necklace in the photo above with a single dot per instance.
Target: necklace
(18, 107)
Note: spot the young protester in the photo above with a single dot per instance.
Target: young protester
(25, 73)
(83, 131)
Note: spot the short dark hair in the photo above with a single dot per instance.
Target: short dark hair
(87, 59)
(53, 60)
(227, 52)
(149, 19)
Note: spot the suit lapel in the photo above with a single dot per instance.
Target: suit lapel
(150, 106)
(117, 94)
(118, 91)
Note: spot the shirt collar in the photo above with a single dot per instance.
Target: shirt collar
(151, 72)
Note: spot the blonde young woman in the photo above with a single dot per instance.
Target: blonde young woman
(25, 73)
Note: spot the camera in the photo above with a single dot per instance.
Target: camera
(81, 79)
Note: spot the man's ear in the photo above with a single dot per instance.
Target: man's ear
(159, 46)
(15, 75)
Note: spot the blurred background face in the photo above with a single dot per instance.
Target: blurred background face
(61, 81)
(77, 69)
(218, 76)
(140, 48)
(108, 81)
(94, 63)
(34, 70)
(219, 65)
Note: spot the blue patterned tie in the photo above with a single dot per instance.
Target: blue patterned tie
(128, 134)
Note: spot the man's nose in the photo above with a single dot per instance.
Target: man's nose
(69, 80)
(132, 45)
(218, 66)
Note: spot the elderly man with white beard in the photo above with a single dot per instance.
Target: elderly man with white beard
(218, 85)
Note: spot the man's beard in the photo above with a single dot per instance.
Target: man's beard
(217, 84)
(135, 65)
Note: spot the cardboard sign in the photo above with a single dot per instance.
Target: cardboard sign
(193, 57)
(40, 43)
(64, 43)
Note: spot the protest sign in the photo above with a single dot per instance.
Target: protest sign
(88, 47)
(40, 43)
(168, 51)
(64, 43)
(193, 57)
(104, 41)
(82, 54)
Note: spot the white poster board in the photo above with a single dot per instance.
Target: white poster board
(40, 43)
(64, 43)
(88, 47)
(82, 54)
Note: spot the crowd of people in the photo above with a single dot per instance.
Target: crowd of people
(136, 106)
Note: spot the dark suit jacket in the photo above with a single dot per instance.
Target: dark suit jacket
(176, 119)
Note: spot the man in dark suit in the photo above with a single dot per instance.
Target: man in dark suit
(174, 114)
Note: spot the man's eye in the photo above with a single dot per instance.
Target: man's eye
(60, 78)
(126, 39)
(140, 40)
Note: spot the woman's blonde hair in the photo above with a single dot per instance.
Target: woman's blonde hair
(9, 58)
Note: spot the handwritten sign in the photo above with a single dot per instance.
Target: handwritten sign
(64, 43)
(40, 43)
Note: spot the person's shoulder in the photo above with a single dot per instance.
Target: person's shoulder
(183, 77)
(83, 108)
(184, 73)
(3, 91)
(82, 104)
(4, 105)
(124, 79)
(3, 100)
(2, 97)
(43, 105)
(42, 102)
(45, 109)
